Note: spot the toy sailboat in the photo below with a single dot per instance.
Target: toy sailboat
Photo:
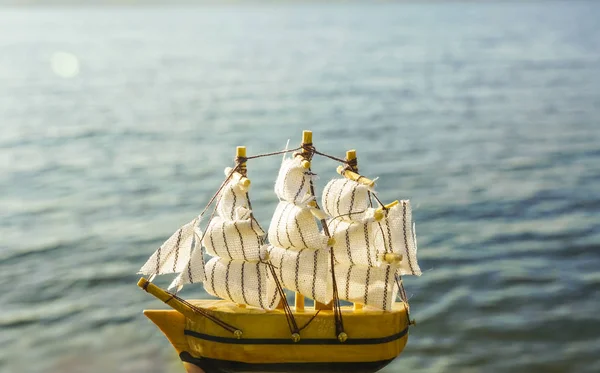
(354, 249)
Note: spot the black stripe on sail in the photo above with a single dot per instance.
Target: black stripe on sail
(348, 281)
(212, 279)
(234, 203)
(243, 287)
(326, 199)
(189, 265)
(389, 247)
(339, 198)
(406, 238)
(177, 250)
(210, 231)
(281, 266)
(300, 189)
(385, 288)
(300, 231)
(241, 240)
(189, 272)
(279, 224)
(225, 239)
(314, 278)
(348, 250)
(158, 260)
(297, 270)
(287, 231)
(227, 281)
(260, 280)
(351, 209)
(366, 232)
(366, 297)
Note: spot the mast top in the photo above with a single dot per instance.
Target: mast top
(306, 140)
(351, 160)
(240, 153)
(351, 154)
(306, 137)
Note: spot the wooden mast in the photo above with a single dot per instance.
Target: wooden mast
(240, 152)
(351, 157)
(306, 140)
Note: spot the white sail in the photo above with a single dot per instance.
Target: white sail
(361, 241)
(372, 286)
(232, 197)
(193, 271)
(345, 199)
(173, 255)
(249, 283)
(234, 239)
(396, 233)
(305, 271)
(293, 181)
(294, 227)
(355, 241)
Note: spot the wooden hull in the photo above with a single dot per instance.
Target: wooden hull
(375, 338)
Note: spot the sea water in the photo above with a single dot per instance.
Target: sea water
(116, 123)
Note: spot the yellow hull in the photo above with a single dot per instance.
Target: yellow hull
(374, 338)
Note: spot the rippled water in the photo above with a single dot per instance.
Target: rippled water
(116, 124)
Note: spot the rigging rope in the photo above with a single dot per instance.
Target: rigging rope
(286, 307)
(403, 297)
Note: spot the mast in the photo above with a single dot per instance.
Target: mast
(352, 165)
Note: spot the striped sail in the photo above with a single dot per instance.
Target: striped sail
(173, 255)
(396, 233)
(235, 240)
(298, 249)
(355, 241)
(361, 242)
(193, 271)
(241, 282)
(305, 271)
(345, 199)
(294, 227)
(293, 181)
(372, 286)
(232, 197)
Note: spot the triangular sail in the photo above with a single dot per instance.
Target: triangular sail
(173, 255)
(193, 271)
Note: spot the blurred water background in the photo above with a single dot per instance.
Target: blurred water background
(116, 123)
